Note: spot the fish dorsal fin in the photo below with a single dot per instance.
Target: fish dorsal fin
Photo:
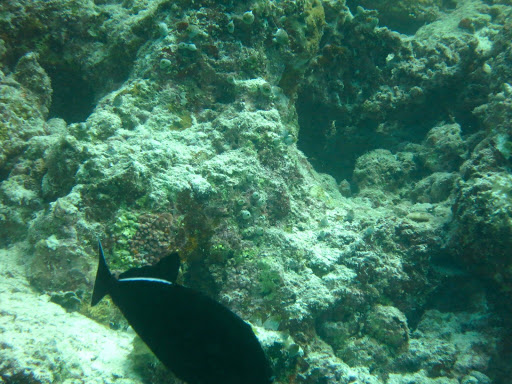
(165, 269)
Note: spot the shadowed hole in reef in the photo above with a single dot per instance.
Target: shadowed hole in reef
(4, 172)
(73, 96)
(403, 22)
(317, 139)
(334, 137)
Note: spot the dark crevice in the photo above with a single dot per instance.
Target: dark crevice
(329, 150)
(399, 19)
(4, 172)
(396, 22)
(333, 138)
(73, 97)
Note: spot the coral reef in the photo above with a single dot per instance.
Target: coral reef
(335, 172)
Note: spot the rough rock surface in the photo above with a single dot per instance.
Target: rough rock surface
(202, 127)
(41, 343)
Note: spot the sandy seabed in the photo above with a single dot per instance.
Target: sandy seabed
(41, 343)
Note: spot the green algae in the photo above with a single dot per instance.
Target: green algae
(269, 278)
(123, 230)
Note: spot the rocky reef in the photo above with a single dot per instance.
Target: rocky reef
(338, 173)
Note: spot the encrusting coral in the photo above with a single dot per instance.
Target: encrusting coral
(201, 127)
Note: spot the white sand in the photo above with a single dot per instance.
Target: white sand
(41, 343)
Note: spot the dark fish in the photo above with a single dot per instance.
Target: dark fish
(197, 338)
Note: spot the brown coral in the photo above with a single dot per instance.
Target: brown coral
(154, 238)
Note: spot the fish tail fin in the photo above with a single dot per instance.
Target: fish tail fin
(103, 278)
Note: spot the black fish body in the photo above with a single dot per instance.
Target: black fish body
(197, 338)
